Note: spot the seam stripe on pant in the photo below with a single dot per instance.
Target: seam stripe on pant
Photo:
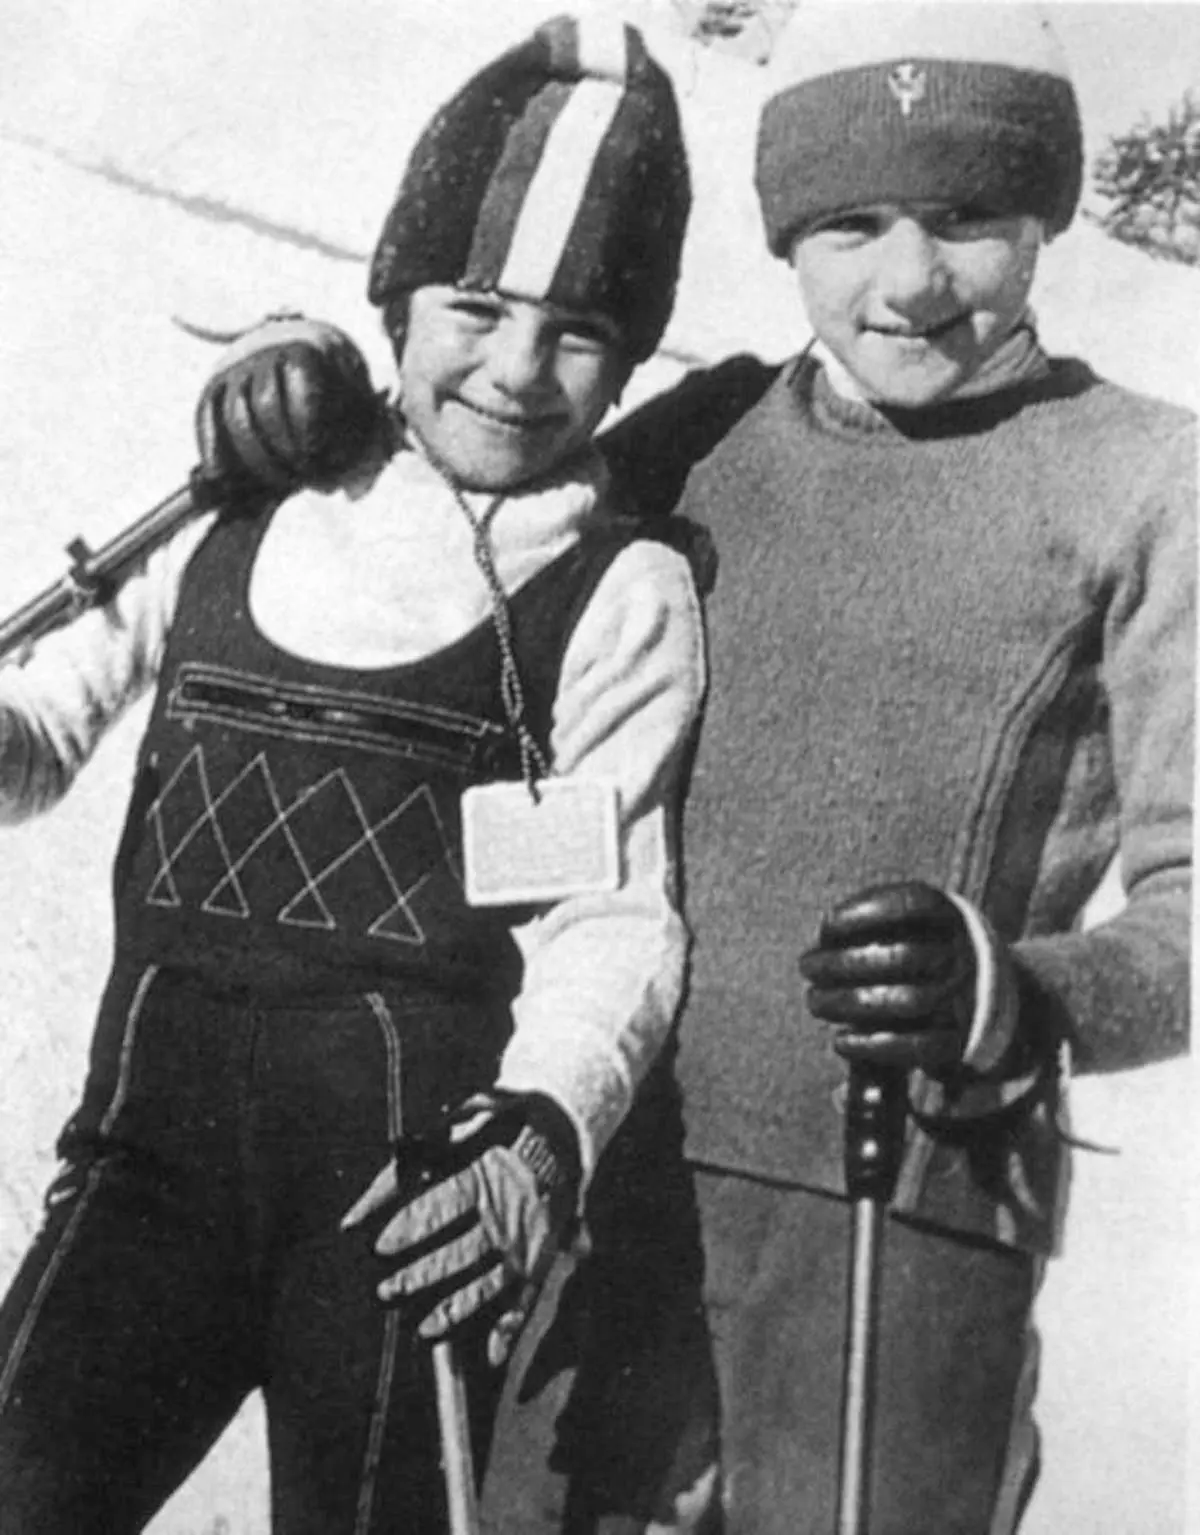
(65, 1241)
(391, 1326)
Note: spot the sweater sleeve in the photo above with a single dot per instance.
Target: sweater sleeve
(651, 451)
(1118, 992)
(75, 684)
(603, 973)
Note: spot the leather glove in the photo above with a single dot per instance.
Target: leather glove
(916, 979)
(290, 404)
(484, 1208)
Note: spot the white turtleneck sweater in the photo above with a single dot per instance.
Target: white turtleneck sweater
(384, 575)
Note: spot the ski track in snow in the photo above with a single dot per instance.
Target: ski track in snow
(96, 399)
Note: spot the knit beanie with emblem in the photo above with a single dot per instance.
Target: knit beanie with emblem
(966, 103)
(556, 174)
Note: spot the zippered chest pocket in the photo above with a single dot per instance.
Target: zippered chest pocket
(409, 730)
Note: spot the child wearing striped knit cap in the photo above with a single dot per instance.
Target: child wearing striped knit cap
(396, 930)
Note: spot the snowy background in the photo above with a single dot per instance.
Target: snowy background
(205, 160)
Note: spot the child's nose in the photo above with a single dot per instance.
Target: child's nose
(911, 266)
(519, 357)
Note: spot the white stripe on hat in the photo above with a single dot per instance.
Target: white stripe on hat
(555, 194)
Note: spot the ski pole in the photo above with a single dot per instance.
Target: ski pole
(92, 577)
(454, 1428)
(876, 1109)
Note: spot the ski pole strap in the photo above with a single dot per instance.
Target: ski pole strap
(533, 1125)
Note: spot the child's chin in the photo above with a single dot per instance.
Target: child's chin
(495, 477)
(506, 471)
(914, 389)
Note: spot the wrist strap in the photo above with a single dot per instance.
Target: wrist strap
(547, 1144)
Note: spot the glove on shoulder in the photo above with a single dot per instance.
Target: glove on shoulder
(486, 1205)
(290, 404)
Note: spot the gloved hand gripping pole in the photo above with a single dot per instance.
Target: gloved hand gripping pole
(876, 1109)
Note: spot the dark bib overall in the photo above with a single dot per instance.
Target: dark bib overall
(297, 981)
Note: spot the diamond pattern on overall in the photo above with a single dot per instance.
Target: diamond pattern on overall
(317, 861)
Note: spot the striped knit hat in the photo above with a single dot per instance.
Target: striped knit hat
(968, 103)
(556, 174)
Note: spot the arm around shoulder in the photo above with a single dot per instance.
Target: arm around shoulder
(652, 450)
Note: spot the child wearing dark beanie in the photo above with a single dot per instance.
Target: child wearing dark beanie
(951, 644)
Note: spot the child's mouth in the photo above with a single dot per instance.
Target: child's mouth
(517, 422)
(916, 333)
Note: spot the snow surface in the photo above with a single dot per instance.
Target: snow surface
(299, 125)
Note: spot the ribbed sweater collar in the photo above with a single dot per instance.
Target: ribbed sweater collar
(1019, 364)
(834, 413)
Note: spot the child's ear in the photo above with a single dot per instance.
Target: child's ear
(395, 324)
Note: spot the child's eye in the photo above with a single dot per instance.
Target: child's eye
(969, 221)
(476, 310)
(584, 336)
(849, 228)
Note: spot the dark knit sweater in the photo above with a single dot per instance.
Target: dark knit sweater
(956, 646)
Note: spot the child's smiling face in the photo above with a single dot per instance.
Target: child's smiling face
(913, 299)
(501, 390)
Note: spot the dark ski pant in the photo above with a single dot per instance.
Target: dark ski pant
(190, 1254)
(754, 1381)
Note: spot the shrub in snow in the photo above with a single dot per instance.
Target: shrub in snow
(1151, 177)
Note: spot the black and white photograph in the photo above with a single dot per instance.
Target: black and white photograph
(597, 689)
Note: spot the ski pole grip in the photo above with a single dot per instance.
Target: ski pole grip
(876, 1111)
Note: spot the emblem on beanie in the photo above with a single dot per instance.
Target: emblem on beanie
(967, 103)
(907, 84)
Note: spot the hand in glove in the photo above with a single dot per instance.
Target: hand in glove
(483, 1212)
(917, 980)
(291, 404)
